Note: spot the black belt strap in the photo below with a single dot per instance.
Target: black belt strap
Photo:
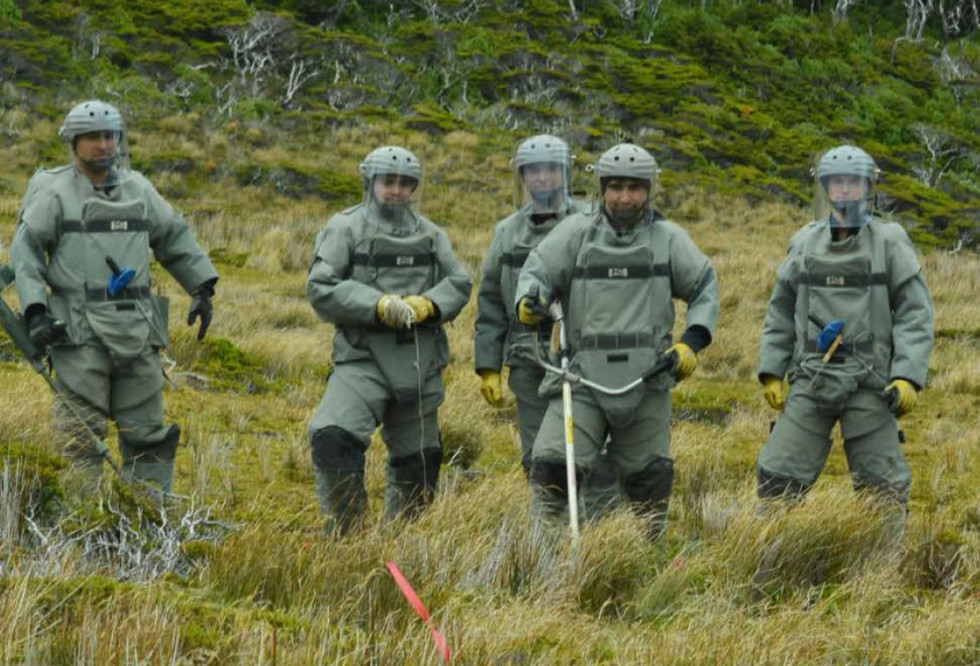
(103, 226)
(620, 272)
(616, 341)
(127, 294)
(845, 348)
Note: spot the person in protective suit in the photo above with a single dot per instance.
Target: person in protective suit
(388, 279)
(616, 272)
(850, 326)
(81, 254)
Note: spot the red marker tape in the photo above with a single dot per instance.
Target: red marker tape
(416, 603)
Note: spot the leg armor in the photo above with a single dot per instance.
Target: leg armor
(338, 465)
(152, 462)
(412, 482)
(648, 492)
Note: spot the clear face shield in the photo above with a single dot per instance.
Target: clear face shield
(394, 195)
(103, 155)
(846, 201)
(542, 187)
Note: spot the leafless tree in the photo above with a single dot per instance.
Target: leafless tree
(917, 14)
(942, 152)
(959, 17)
(87, 38)
(252, 48)
(301, 70)
(840, 9)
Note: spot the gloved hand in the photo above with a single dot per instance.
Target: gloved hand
(422, 306)
(531, 310)
(394, 312)
(773, 387)
(44, 329)
(687, 360)
(901, 395)
(492, 390)
(201, 308)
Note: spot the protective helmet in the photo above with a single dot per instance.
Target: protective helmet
(387, 161)
(543, 149)
(91, 116)
(855, 210)
(627, 160)
(847, 160)
(391, 159)
(542, 174)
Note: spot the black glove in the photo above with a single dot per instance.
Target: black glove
(43, 328)
(201, 307)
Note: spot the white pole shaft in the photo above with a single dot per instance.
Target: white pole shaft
(566, 396)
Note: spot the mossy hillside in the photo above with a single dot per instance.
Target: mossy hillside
(741, 94)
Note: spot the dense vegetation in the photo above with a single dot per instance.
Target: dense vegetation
(734, 97)
(735, 94)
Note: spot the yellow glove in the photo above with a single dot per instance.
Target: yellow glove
(687, 360)
(491, 389)
(529, 312)
(422, 306)
(901, 396)
(394, 312)
(773, 387)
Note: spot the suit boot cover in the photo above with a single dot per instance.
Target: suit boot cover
(151, 462)
(770, 486)
(648, 492)
(892, 504)
(549, 492)
(338, 467)
(412, 482)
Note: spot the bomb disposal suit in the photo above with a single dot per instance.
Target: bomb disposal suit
(76, 221)
(501, 339)
(388, 279)
(616, 272)
(861, 272)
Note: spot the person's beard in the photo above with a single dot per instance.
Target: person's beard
(625, 217)
(99, 165)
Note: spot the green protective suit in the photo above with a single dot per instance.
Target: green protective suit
(500, 338)
(873, 282)
(108, 364)
(380, 375)
(617, 290)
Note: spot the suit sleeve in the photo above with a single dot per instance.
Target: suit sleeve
(492, 316)
(452, 290)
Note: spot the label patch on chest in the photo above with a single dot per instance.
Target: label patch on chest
(405, 260)
(835, 280)
(119, 225)
(623, 272)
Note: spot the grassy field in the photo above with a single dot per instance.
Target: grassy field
(237, 572)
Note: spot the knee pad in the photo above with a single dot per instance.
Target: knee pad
(773, 486)
(651, 484)
(420, 469)
(550, 477)
(164, 450)
(334, 448)
(882, 488)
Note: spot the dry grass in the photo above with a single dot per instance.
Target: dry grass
(728, 584)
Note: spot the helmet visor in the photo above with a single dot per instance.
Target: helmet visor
(844, 200)
(394, 194)
(103, 155)
(541, 187)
